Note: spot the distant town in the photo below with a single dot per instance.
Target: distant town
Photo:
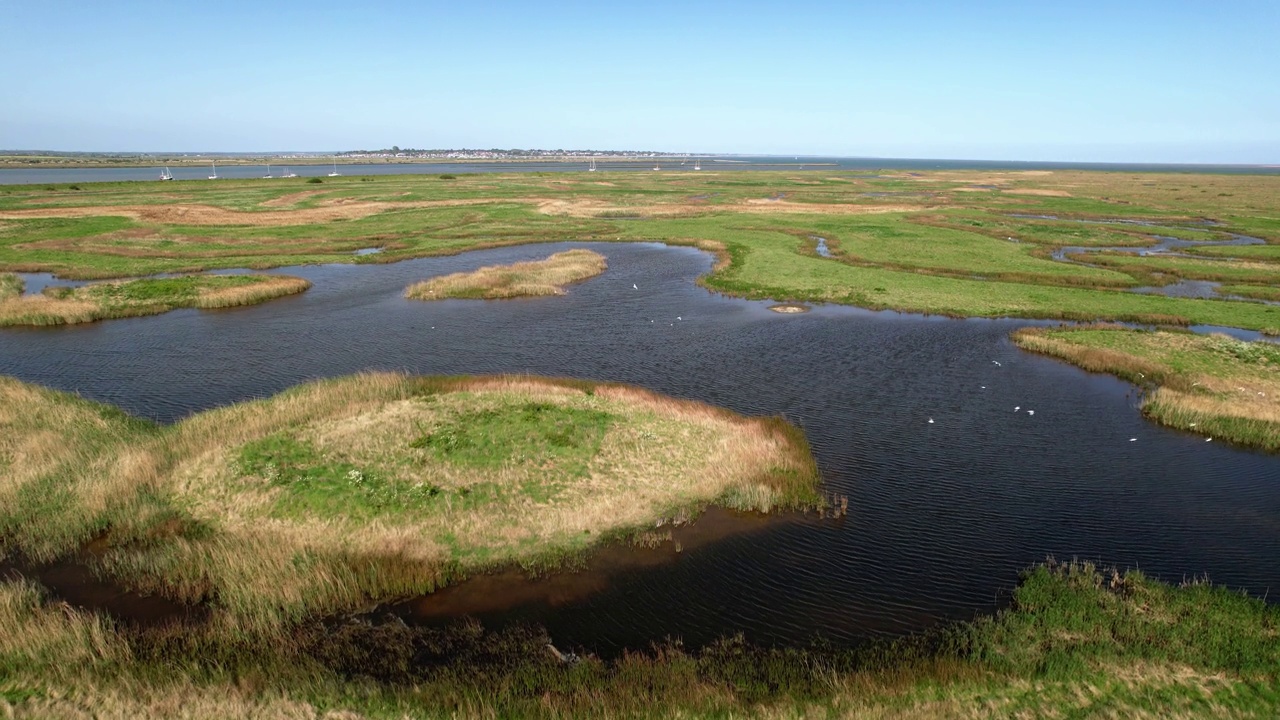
(392, 154)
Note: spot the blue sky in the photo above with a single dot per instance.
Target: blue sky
(1082, 81)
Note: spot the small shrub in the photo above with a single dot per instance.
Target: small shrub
(314, 181)
(447, 176)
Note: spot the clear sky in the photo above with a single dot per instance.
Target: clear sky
(1134, 80)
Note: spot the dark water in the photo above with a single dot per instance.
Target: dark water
(19, 176)
(941, 516)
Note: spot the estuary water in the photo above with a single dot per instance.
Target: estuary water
(941, 516)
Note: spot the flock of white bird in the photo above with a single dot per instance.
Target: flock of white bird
(1031, 413)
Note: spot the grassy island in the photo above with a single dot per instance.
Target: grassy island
(132, 298)
(337, 495)
(524, 279)
(1213, 385)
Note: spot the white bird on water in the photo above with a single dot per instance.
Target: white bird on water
(930, 421)
(1133, 439)
(1031, 412)
(633, 286)
(997, 362)
(1016, 408)
(679, 318)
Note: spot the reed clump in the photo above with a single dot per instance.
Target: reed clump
(11, 286)
(150, 296)
(524, 279)
(1213, 385)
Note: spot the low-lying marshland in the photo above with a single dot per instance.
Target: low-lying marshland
(526, 279)
(939, 247)
(133, 298)
(1214, 385)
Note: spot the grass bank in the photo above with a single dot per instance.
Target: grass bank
(133, 298)
(342, 494)
(523, 279)
(1076, 641)
(1214, 385)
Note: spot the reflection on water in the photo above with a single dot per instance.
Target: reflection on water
(941, 517)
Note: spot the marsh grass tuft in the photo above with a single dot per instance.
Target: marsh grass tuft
(525, 279)
(11, 286)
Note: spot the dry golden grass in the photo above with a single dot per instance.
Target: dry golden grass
(268, 288)
(524, 279)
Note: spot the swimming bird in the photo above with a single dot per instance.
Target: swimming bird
(1031, 412)
(1133, 439)
(633, 286)
(679, 318)
(1208, 439)
(984, 387)
(997, 362)
(1016, 408)
(930, 421)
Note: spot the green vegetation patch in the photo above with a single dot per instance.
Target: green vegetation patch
(565, 438)
(310, 486)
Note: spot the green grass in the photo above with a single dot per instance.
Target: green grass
(1252, 291)
(550, 435)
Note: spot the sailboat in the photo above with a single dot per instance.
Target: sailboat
(697, 164)
(165, 174)
(268, 175)
(656, 167)
(593, 165)
(287, 174)
(335, 172)
(214, 176)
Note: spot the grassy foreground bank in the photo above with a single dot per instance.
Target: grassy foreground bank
(524, 279)
(1213, 385)
(133, 298)
(1076, 642)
